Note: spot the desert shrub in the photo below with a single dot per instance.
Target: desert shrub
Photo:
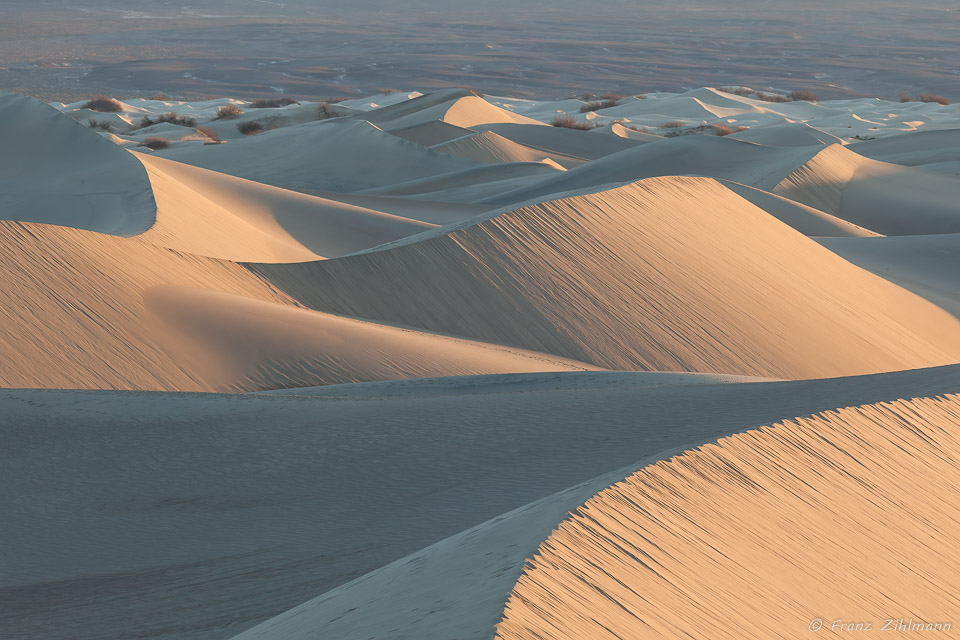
(250, 128)
(104, 125)
(171, 116)
(155, 143)
(272, 103)
(724, 130)
(613, 97)
(771, 97)
(228, 112)
(210, 133)
(737, 91)
(632, 127)
(926, 97)
(673, 124)
(103, 104)
(596, 106)
(904, 97)
(803, 95)
(567, 122)
(324, 112)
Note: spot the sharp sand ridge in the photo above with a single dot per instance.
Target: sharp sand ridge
(699, 545)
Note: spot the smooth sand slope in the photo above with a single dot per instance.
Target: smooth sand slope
(645, 276)
(100, 321)
(489, 148)
(458, 587)
(213, 214)
(57, 171)
(662, 554)
(332, 155)
(196, 516)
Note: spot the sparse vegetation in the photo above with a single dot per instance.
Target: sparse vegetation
(632, 127)
(155, 143)
(250, 128)
(718, 129)
(272, 103)
(171, 117)
(738, 91)
(103, 104)
(324, 112)
(803, 95)
(725, 130)
(673, 124)
(567, 122)
(596, 106)
(228, 112)
(103, 125)
(772, 97)
(210, 133)
(926, 97)
(613, 97)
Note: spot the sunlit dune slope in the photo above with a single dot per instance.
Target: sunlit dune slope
(98, 321)
(670, 274)
(56, 171)
(217, 215)
(490, 148)
(849, 515)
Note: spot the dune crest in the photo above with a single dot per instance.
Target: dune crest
(751, 537)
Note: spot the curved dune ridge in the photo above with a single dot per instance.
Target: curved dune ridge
(214, 214)
(54, 170)
(763, 533)
(122, 313)
(489, 148)
(646, 276)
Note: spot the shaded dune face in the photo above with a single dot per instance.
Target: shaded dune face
(668, 274)
(849, 515)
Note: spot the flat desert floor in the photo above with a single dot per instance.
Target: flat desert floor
(429, 365)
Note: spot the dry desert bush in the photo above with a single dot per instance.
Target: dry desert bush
(250, 128)
(155, 143)
(228, 112)
(104, 125)
(772, 97)
(272, 103)
(210, 133)
(737, 91)
(567, 122)
(597, 105)
(324, 112)
(103, 104)
(803, 95)
(673, 124)
(927, 97)
(171, 117)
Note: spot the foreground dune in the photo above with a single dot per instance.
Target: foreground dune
(199, 515)
(644, 276)
(762, 535)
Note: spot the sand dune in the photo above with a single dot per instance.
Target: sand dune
(659, 553)
(465, 580)
(459, 108)
(217, 215)
(913, 149)
(490, 148)
(96, 185)
(199, 515)
(332, 155)
(613, 279)
(787, 135)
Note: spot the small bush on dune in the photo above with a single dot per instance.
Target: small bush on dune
(613, 97)
(103, 104)
(228, 112)
(632, 127)
(724, 130)
(926, 97)
(772, 97)
(567, 122)
(250, 128)
(803, 95)
(104, 125)
(596, 106)
(155, 143)
(272, 103)
(171, 117)
(324, 112)
(906, 98)
(673, 124)
(738, 91)
(210, 133)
